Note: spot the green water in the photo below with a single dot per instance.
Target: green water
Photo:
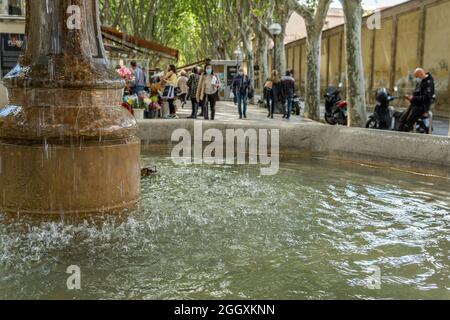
(224, 232)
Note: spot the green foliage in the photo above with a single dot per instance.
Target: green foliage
(198, 28)
(169, 22)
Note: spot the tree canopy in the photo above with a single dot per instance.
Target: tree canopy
(214, 29)
(198, 28)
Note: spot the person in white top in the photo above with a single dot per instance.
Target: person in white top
(184, 89)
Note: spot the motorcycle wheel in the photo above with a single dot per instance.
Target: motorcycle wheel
(329, 119)
(372, 124)
(422, 128)
(340, 118)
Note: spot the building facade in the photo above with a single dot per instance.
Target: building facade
(296, 29)
(412, 34)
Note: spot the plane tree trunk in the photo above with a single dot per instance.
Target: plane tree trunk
(314, 17)
(356, 91)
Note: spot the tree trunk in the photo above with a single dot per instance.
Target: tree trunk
(262, 33)
(261, 53)
(314, 26)
(356, 91)
(281, 54)
(312, 81)
(248, 48)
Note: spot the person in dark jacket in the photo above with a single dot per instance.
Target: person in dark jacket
(267, 92)
(421, 100)
(288, 92)
(241, 87)
(192, 84)
(276, 92)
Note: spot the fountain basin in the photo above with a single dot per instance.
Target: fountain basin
(88, 177)
(315, 230)
(425, 154)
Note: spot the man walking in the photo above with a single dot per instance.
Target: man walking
(421, 100)
(288, 92)
(241, 87)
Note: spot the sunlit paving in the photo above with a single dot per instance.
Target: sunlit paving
(204, 151)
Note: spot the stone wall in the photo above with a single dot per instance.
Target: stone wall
(412, 34)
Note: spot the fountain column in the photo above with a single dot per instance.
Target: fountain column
(66, 146)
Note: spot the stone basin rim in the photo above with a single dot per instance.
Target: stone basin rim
(402, 150)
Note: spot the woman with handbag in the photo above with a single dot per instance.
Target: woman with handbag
(268, 95)
(170, 82)
(276, 92)
(207, 91)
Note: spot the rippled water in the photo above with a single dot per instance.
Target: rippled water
(206, 232)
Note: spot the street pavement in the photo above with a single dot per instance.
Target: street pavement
(227, 111)
(441, 126)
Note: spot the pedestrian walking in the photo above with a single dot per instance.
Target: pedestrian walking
(267, 93)
(192, 84)
(241, 88)
(288, 92)
(276, 92)
(183, 87)
(170, 82)
(207, 91)
(200, 103)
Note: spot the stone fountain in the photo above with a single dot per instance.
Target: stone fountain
(66, 146)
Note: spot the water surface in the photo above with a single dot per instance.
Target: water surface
(224, 232)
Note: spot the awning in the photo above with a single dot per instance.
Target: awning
(136, 43)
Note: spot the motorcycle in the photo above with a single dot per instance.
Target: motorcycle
(296, 104)
(422, 126)
(335, 107)
(386, 118)
(383, 115)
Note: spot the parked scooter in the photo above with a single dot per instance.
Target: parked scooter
(386, 118)
(383, 115)
(335, 107)
(296, 104)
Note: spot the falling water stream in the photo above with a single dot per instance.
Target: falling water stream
(314, 231)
